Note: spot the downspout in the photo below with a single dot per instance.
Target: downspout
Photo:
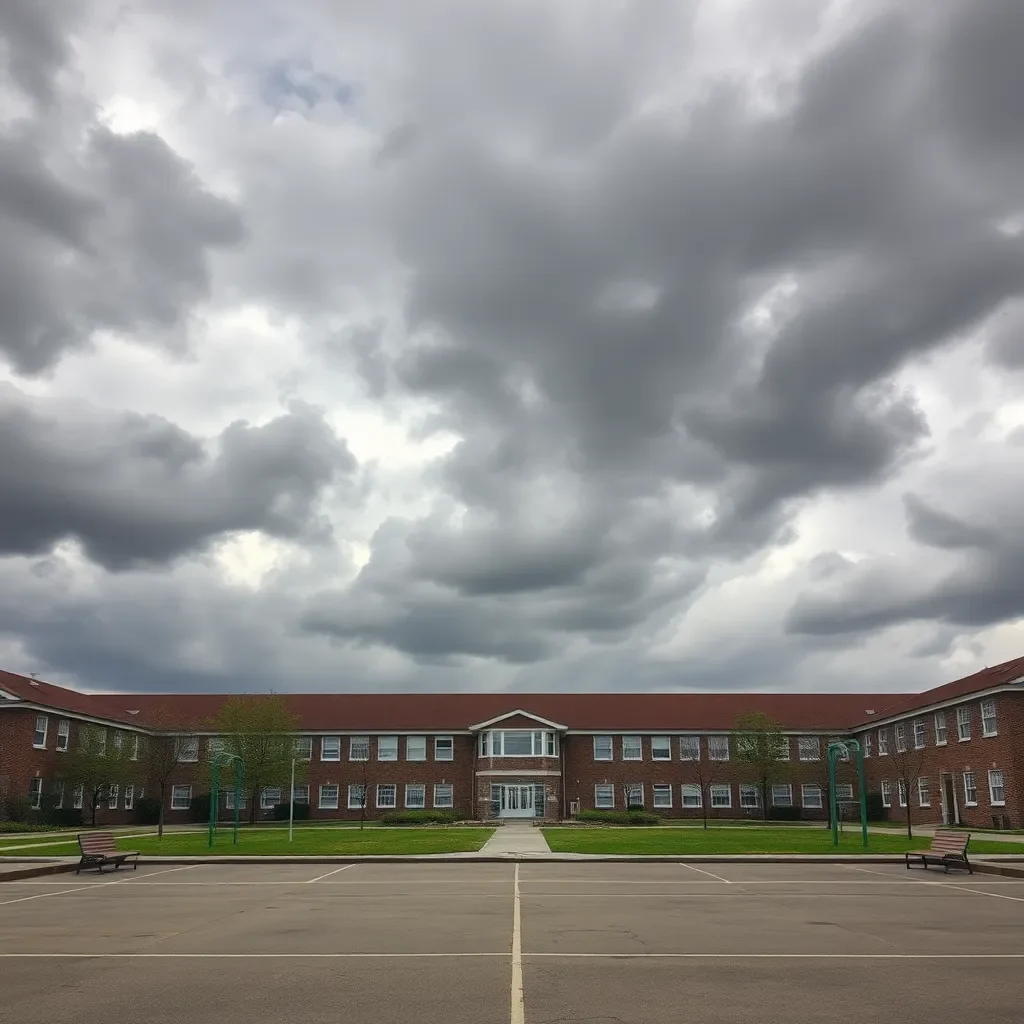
(561, 758)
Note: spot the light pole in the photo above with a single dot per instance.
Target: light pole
(291, 803)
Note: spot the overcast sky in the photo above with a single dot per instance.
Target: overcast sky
(511, 345)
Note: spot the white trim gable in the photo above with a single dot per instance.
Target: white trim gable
(513, 714)
(4, 695)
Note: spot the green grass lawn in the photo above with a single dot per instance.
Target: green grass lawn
(671, 842)
(274, 842)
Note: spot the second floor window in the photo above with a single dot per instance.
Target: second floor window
(940, 728)
(718, 748)
(689, 748)
(602, 748)
(632, 748)
(359, 748)
(330, 748)
(883, 742)
(188, 748)
(810, 749)
(901, 737)
(387, 748)
(39, 736)
(918, 734)
(304, 748)
(963, 723)
(63, 733)
(988, 718)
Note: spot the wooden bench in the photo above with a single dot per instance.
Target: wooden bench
(948, 849)
(98, 850)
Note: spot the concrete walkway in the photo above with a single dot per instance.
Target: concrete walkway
(516, 839)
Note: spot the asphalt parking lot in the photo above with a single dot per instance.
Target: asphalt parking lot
(528, 943)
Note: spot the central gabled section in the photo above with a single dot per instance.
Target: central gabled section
(518, 719)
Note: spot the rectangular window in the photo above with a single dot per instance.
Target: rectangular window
(444, 748)
(119, 741)
(36, 793)
(718, 748)
(691, 795)
(661, 749)
(844, 791)
(783, 749)
(602, 748)
(901, 788)
(59, 796)
(918, 733)
(782, 794)
(662, 795)
(634, 795)
(356, 796)
(844, 754)
(78, 797)
(901, 737)
(750, 796)
(550, 745)
(386, 794)
(415, 796)
(883, 742)
(330, 748)
(632, 748)
(100, 742)
(721, 796)
(963, 723)
(415, 748)
(304, 748)
(811, 795)
(329, 797)
(270, 797)
(135, 747)
(924, 796)
(867, 744)
(112, 796)
(996, 792)
(229, 800)
(604, 796)
(886, 793)
(387, 748)
(359, 748)
(181, 798)
(810, 748)
(129, 798)
(988, 718)
(39, 736)
(940, 728)
(63, 733)
(214, 746)
(513, 743)
(188, 749)
(689, 748)
(444, 794)
(301, 794)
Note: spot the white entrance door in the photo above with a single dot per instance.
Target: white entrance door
(517, 801)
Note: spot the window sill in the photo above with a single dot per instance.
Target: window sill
(941, 743)
(967, 803)
(997, 803)
(989, 735)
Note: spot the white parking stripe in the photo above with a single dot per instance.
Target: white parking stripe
(717, 878)
(92, 885)
(329, 873)
(518, 1005)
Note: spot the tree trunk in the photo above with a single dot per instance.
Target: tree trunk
(160, 820)
(764, 798)
(910, 827)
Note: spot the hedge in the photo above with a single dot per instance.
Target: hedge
(435, 817)
(620, 817)
(281, 812)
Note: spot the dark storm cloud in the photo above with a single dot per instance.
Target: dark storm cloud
(33, 44)
(135, 488)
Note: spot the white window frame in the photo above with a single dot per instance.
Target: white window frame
(78, 797)
(438, 789)
(112, 795)
(689, 748)
(1001, 802)
(883, 742)
(441, 744)
(886, 787)
(939, 725)
(300, 794)
(661, 795)
(900, 737)
(721, 795)
(924, 792)
(632, 748)
(844, 792)
(214, 746)
(748, 789)
(601, 744)
(387, 748)
(35, 792)
(901, 792)
(40, 744)
(266, 803)
(303, 748)
(785, 749)
(634, 795)
(805, 750)
(134, 756)
(356, 796)
(358, 743)
(866, 745)
(324, 800)
(691, 796)
(410, 789)
(63, 734)
(179, 803)
(495, 743)
(985, 719)
(919, 734)
(420, 753)
(382, 788)
(788, 801)
(599, 799)
(963, 724)
(661, 749)
(188, 749)
(722, 745)
(329, 746)
(229, 799)
(59, 803)
(809, 787)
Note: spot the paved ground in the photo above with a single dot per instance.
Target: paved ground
(517, 838)
(456, 942)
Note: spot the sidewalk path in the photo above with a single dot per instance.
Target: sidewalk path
(516, 839)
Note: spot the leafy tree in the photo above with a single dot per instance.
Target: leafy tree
(98, 759)
(162, 758)
(907, 763)
(699, 774)
(758, 741)
(260, 730)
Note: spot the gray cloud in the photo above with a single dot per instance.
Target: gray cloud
(135, 488)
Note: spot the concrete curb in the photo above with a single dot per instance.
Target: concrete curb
(50, 868)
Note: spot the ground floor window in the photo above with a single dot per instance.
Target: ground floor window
(604, 796)
(634, 795)
(996, 791)
(924, 796)
(721, 796)
(78, 798)
(782, 794)
(886, 787)
(36, 793)
(844, 790)
(129, 797)
(691, 795)
(270, 797)
(329, 797)
(662, 796)
(415, 796)
(444, 794)
(970, 789)
(811, 796)
(356, 797)
(59, 794)
(229, 800)
(181, 798)
(112, 796)
(386, 795)
(301, 794)
(901, 789)
(750, 796)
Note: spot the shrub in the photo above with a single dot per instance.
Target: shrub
(619, 817)
(147, 810)
(199, 808)
(281, 812)
(784, 814)
(15, 827)
(18, 808)
(435, 817)
(64, 817)
(877, 811)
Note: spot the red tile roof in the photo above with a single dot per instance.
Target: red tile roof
(61, 698)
